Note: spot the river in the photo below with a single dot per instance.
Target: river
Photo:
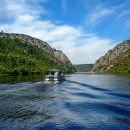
(82, 102)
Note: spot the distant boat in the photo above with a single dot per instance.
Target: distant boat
(55, 75)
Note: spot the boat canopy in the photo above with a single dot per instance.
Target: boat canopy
(54, 70)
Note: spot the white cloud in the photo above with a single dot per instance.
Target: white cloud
(25, 18)
(79, 46)
(119, 13)
(64, 5)
(15, 8)
(98, 13)
(123, 16)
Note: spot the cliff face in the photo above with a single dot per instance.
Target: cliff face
(59, 55)
(117, 59)
(62, 57)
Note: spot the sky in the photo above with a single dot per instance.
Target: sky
(83, 29)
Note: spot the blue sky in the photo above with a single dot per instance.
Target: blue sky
(83, 29)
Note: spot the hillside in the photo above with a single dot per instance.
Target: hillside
(116, 60)
(22, 54)
(83, 67)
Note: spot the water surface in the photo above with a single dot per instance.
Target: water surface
(82, 102)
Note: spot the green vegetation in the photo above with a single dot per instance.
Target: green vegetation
(122, 66)
(20, 58)
(84, 67)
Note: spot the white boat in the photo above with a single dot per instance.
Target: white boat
(55, 75)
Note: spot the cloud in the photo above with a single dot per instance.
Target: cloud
(123, 16)
(13, 9)
(79, 46)
(99, 13)
(118, 13)
(63, 3)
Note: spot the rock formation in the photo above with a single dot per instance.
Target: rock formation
(62, 57)
(113, 57)
(59, 55)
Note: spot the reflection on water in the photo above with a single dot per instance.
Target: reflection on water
(13, 79)
(82, 102)
(122, 120)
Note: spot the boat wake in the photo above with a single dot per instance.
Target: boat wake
(67, 105)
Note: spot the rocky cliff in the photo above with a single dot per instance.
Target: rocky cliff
(62, 57)
(59, 55)
(115, 60)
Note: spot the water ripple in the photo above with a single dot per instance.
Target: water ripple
(69, 105)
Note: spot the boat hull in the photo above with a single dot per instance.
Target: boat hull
(60, 78)
(53, 78)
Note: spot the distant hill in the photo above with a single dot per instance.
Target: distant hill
(84, 67)
(23, 54)
(116, 60)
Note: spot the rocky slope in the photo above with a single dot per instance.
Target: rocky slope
(59, 55)
(22, 54)
(116, 60)
(62, 57)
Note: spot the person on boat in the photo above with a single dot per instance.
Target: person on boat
(56, 73)
(62, 74)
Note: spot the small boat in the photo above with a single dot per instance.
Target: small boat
(55, 75)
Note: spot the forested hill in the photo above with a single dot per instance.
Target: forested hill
(22, 54)
(116, 60)
(84, 67)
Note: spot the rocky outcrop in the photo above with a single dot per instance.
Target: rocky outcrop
(59, 55)
(112, 57)
(30, 40)
(62, 57)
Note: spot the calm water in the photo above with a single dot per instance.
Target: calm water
(82, 102)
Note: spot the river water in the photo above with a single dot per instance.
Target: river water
(82, 102)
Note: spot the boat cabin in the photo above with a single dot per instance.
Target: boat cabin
(55, 75)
